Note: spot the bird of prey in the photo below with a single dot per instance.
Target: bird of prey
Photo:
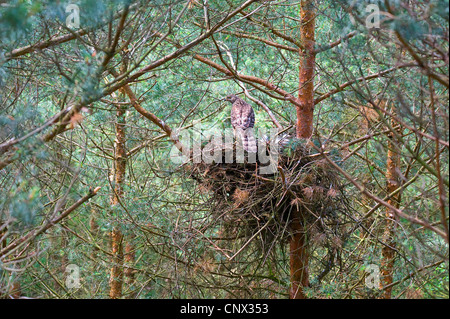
(243, 120)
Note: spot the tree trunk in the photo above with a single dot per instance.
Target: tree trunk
(388, 238)
(116, 278)
(298, 244)
(298, 258)
(305, 112)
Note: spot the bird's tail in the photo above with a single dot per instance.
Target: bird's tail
(249, 141)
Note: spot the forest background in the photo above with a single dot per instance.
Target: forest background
(93, 95)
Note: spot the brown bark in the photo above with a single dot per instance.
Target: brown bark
(305, 111)
(116, 278)
(299, 258)
(392, 184)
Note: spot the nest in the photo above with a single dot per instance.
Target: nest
(251, 205)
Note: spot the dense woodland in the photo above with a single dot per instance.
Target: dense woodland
(101, 196)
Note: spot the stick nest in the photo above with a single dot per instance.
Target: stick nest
(251, 205)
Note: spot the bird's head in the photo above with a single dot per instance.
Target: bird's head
(231, 98)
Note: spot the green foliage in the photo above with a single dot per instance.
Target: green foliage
(15, 21)
(180, 247)
(25, 204)
(438, 286)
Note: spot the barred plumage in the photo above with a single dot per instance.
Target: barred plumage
(243, 120)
